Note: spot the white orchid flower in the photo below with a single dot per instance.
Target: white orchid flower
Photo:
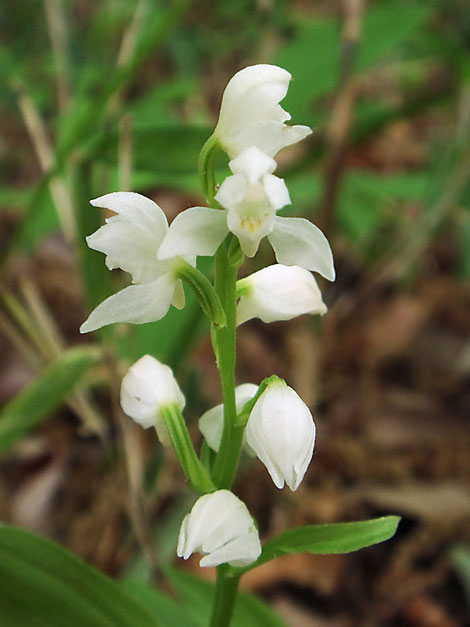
(278, 293)
(130, 240)
(211, 423)
(252, 195)
(250, 113)
(281, 431)
(220, 526)
(148, 386)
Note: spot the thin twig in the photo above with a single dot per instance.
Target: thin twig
(57, 27)
(125, 152)
(132, 449)
(337, 135)
(58, 188)
(127, 48)
(44, 322)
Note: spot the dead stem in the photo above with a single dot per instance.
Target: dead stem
(338, 131)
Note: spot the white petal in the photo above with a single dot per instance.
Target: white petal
(220, 526)
(276, 191)
(279, 293)
(298, 242)
(145, 388)
(127, 246)
(137, 209)
(268, 135)
(239, 552)
(196, 231)
(252, 164)
(211, 423)
(135, 304)
(179, 299)
(232, 191)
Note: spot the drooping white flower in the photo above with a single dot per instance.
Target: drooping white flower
(148, 386)
(211, 423)
(281, 431)
(250, 113)
(252, 195)
(220, 526)
(278, 293)
(130, 240)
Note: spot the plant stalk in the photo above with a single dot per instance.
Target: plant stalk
(225, 597)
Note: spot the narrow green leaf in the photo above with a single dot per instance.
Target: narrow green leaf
(328, 539)
(42, 584)
(46, 393)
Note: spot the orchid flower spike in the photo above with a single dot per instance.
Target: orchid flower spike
(146, 388)
(281, 431)
(220, 526)
(278, 293)
(130, 240)
(252, 195)
(211, 423)
(250, 113)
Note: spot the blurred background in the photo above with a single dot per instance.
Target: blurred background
(120, 95)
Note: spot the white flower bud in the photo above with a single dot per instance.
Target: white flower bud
(281, 431)
(278, 293)
(147, 386)
(211, 423)
(250, 113)
(220, 526)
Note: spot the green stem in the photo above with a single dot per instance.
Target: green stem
(225, 597)
(181, 441)
(225, 349)
(206, 168)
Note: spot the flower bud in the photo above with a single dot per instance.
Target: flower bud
(148, 386)
(250, 113)
(220, 526)
(281, 431)
(211, 423)
(278, 293)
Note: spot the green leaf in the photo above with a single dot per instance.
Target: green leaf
(43, 585)
(47, 392)
(169, 610)
(197, 595)
(328, 539)
(460, 556)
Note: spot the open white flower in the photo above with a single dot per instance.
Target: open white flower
(220, 526)
(278, 293)
(252, 195)
(130, 240)
(250, 113)
(148, 386)
(281, 431)
(211, 423)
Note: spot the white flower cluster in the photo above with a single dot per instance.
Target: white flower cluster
(279, 430)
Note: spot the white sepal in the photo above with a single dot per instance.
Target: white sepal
(211, 423)
(147, 386)
(250, 113)
(220, 526)
(298, 242)
(278, 293)
(281, 431)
